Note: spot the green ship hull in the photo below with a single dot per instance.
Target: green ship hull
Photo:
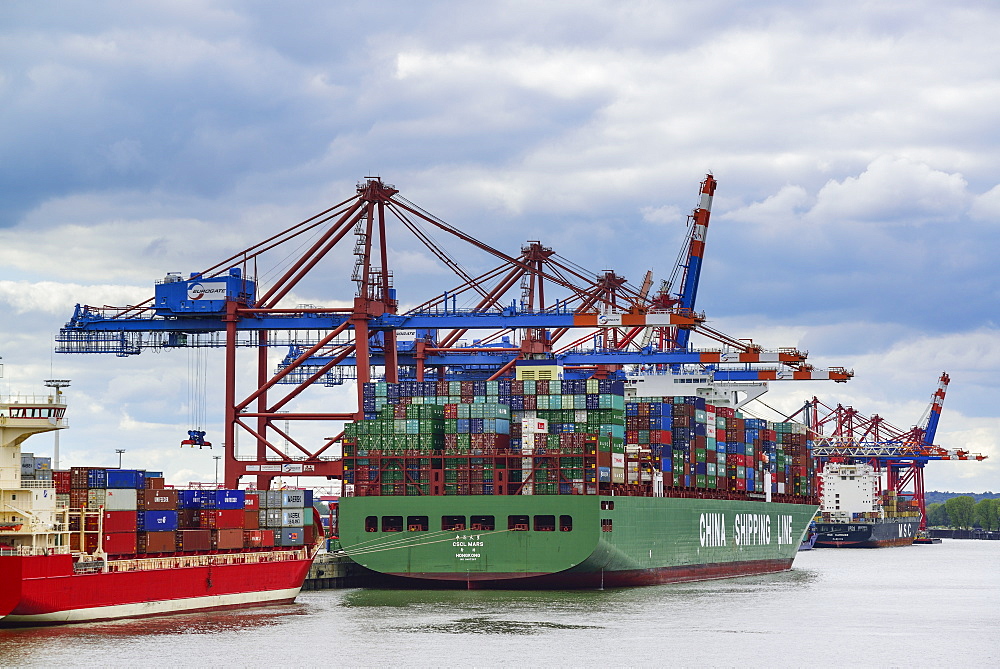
(568, 541)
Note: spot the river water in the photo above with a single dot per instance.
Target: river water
(924, 606)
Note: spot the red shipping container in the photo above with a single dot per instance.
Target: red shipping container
(157, 542)
(63, 481)
(252, 501)
(251, 520)
(74, 543)
(155, 483)
(267, 538)
(310, 534)
(155, 499)
(252, 538)
(120, 543)
(78, 498)
(194, 540)
(90, 543)
(188, 519)
(119, 521)
(222, 519)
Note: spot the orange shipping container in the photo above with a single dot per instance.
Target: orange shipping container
(228, 539)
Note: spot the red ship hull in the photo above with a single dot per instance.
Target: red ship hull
(44, 590)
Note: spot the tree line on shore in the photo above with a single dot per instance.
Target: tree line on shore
(964, 512)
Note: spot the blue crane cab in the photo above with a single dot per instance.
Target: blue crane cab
(176, 296)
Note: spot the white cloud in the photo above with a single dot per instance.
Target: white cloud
(59, 298)
(856, 154)
(893, 190)
(986, 207)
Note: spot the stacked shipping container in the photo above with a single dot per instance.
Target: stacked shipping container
(564, 437)
(131, 512)
(35, 468)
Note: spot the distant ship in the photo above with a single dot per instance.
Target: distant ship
(853, 514)
(809, 540)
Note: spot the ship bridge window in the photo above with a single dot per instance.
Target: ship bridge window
(392, 523)
(371, 524)
(545, 523)
(517, 523)
(417, 523)
(565, 523)
(453, 523)
(486, 523)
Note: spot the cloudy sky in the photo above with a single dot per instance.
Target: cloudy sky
(855, 145)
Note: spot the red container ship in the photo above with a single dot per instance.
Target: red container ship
(122, 552)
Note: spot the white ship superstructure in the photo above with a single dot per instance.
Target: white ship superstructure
(849, 489)
(31, 521)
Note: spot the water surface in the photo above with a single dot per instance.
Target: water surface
(925, 606)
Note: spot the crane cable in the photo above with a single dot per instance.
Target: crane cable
(197, 373)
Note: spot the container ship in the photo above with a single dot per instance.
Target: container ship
(550, 483)
(101, 543)
(855, 515)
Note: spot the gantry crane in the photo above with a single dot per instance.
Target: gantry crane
(901, 454)
(617, 346)
(223, 307)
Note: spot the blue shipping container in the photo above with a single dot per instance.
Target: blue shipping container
(189, 499)
(157, 521)
(97, 478)
(229, 499)
(126, 479)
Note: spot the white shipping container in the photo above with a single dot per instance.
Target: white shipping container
(293, 499)
(121, 499)
(292, 518)
(533, 425)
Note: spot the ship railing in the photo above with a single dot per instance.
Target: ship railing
(29, 484)
(33, 399)
(184, 561)
(30, 551)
